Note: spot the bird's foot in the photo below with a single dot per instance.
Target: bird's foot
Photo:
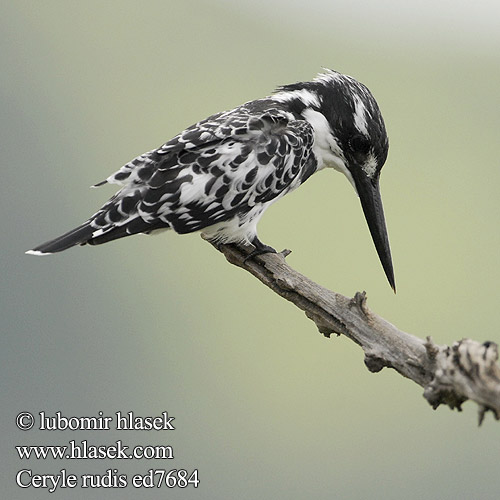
(260, 249)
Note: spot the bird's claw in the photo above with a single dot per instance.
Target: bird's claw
(260, 249)
(257, 252)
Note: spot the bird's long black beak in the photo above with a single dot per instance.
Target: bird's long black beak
(369, 195)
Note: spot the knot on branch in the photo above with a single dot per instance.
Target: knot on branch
(431, 348)
(467, 369)
(375, 362)
(359, 301)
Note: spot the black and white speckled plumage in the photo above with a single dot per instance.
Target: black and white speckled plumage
(221, 174)
(222, 171)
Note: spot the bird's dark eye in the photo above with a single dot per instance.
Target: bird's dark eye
(359, 144)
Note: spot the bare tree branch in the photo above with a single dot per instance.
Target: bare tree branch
(448, 374)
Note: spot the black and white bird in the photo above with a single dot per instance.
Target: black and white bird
(220, 175)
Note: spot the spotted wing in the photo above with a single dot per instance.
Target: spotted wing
(210, 174)
(217, 168)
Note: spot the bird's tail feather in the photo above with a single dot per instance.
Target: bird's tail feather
(78, 236)
(133, 226)
(86, 233)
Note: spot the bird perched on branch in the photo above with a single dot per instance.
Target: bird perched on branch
(220, 175)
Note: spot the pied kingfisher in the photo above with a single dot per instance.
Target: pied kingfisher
(220, 175)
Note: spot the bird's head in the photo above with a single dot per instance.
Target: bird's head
(350, 137)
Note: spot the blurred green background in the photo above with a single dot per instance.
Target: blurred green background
(265, 407)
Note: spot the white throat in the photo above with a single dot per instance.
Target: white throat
(326, 148)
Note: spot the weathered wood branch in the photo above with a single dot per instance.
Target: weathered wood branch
(449, 374)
